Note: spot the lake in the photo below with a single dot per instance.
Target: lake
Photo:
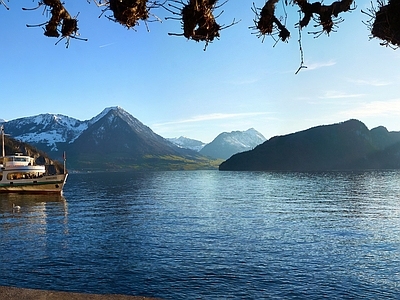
(209, 235)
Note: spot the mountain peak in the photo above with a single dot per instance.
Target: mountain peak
(113, 109)
(228, 143)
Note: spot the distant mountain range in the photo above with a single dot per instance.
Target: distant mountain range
(348, 145)
(113, 140)
(226, 144)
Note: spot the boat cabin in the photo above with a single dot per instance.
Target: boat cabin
(18, 166)
(18, 160)
(20, 174)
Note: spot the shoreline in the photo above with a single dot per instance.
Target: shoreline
(14, 293)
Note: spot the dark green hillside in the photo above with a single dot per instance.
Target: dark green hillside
(383, 139)
(388, 158)
(348, 145)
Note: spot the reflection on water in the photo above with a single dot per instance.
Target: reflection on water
(29, 221)
(27, 201)
(209, 235)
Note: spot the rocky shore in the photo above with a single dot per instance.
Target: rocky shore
(13, 293)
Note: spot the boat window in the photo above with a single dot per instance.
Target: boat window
(23, 175)
(17, 158)
(25, 159)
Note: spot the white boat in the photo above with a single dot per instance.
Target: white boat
(20, 174)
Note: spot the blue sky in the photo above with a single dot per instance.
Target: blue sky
(171, 85)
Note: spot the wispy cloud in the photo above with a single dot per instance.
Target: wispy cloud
(375, 108)
(339, 95)
(106, 45)
(317, 65)
(370, 82)
(212, 117)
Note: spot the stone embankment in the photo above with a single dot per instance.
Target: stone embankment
(13, 293)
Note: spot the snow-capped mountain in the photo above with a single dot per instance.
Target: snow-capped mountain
(187, 143)
(228, 143)
(114, 138)
(116, 131)
(46, 131)
(50, 131)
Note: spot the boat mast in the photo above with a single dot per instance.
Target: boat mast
(64, 158)
(2, 140)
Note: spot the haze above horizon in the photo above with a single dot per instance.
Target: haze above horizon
(171, 85)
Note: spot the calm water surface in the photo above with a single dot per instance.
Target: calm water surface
(209, 235)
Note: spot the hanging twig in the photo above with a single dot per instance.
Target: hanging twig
(2, 2)
(302, 66)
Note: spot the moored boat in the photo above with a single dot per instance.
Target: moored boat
(20, 174)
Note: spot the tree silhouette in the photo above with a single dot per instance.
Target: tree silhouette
(200, 24)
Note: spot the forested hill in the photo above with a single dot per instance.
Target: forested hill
(345, 146)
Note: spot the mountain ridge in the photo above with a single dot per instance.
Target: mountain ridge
(113, 139)
(224, 145)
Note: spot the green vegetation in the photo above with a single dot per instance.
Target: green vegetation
(145, 163)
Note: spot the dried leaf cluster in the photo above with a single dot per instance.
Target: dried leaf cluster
(197, 19)
(385, 22)
(127, 12)
(60, 21)
(326, 16)
(200, 24)
(266, 23)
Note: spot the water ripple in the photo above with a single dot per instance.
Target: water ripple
(209, 235)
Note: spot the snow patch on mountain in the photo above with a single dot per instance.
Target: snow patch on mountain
(48, 129)
(187, 143)
(50, 138)
(245, 139)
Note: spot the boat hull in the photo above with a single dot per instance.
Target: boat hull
(44, 185)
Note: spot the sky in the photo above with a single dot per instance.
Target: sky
(177, 89)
